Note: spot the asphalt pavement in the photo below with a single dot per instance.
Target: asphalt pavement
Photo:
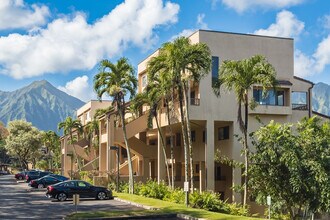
(18, 201)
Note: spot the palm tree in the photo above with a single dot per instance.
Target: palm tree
(117, 80)
(70, 126)
(182, 61)
(51, 142)
(240, 76)
(153, 97)
(92, 131)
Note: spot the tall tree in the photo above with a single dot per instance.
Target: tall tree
(51, 142)
(182, 62)
(70, 126)
(240, 76)
(93, 135)
(153, 97)
(292, 165)
(118, 80)
(23, 141)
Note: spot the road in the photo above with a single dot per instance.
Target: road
(18, 201)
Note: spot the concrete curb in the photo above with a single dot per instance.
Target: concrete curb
(183, 216)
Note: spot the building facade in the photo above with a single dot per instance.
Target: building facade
(212, 119)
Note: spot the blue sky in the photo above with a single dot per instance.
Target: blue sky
(62, 41)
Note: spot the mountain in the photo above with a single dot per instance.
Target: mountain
(39, 103)
(321, 98)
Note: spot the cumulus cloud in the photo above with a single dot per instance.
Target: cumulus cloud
(243, 5)
(287, 25)
(200, 21)
(79, 88)
(326, 21)
(15, 14)
(70, 43)
(305, 65)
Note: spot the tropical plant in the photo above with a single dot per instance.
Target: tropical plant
(52, 144)
(153, 96)
(118, 80)
(240, 76)
(182, 62)
(70, 126)
(93, 135)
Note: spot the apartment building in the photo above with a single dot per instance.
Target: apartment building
(212, 119)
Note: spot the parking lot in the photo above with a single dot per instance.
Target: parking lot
(18, 201)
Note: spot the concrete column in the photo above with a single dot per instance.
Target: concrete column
(201, 176)
(237, 180)
(161, 168)
(209, 155)
(103, 158)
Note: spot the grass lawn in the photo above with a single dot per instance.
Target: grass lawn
(164, 208)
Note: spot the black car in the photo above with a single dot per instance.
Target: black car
(64, 190)
(60, 177)
(45, 181)
(32, 175)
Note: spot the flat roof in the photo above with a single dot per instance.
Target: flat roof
(225, 32)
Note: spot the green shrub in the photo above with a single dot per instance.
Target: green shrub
(124, 187)
(152, 189)
(42, 164)
(238, 209)
(209, 201)
(177, 195)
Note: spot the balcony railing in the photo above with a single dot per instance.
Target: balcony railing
(194, 101)
(299, 106)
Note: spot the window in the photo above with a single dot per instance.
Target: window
(217, 172)
(153, 142)
(178, 139)
(299, 101)
(144, 81)
(197, 168)
(272, 97)
(215, 70)
(223, 133)
(204, 136)
(82, 184)
(193, 136)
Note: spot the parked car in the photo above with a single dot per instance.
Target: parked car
(32, 175)
(64, 190)
(60, 177)
(45, 181)
(4, 172)
(20, 175)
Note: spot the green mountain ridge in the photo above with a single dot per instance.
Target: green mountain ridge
(39, 103)
(321, 98)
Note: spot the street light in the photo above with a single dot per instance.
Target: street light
(117, 153)
(71, 155)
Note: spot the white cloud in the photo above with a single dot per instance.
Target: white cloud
(326, 21)
(243, 5)
(310, 65)
(70, 43)
(78, 88)
(287, 25)
(200, 21)
(200, 24)
(17, 14)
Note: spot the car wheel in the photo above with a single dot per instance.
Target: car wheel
(61, 197)
(41, 186)
(101, 195)
(20, 177)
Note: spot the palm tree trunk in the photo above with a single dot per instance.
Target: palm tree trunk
(189, 136)
(164, 151)
(129, 159)
(246, 149)
(74, 150)
(184, 133)
(171, 140)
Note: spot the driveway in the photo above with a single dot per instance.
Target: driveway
(18, 201)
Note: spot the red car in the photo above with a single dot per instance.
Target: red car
(20, 175)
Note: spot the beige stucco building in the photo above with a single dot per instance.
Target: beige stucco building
(212, 119)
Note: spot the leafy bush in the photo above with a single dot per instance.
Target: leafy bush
(152, 189)
(209, 201)
(42, 165)
(238, 209)
(177, 196)
(124, 187)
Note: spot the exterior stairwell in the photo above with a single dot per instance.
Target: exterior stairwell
(132, 128)
(91, 165)
(79, 148)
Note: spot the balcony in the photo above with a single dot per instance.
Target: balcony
(195, 101)
(301, 107)
(271, 110)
